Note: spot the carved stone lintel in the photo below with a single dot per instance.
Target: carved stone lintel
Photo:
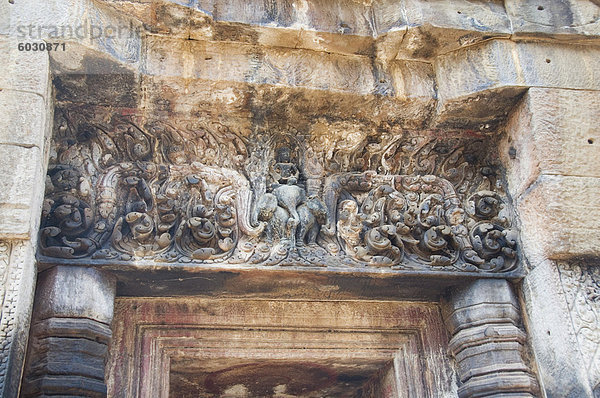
(120, 192)
(70, 333)
(487, 341)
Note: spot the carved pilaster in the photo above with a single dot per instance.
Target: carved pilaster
(70, 333)
(487, 341)
(16, 297)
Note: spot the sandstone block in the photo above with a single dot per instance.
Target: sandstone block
(78, 22)
(23, 120)
(242, 63)
(413, 80)
(554, 17)
(23, 70)
(487, 79)
(552, 132)
(438, 27)
(560, 217)
(75, 292)
(22, 176)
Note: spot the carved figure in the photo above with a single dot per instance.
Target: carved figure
(290, 197)
(275, 216)
(116, 191)
(312, 214)
(284, 171)
(349, 225)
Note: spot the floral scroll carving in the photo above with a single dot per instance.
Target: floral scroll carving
(418, 219)
(203, 194)
(580, 283)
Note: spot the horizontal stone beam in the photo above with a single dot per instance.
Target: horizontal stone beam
(486, 79)
(428, 28)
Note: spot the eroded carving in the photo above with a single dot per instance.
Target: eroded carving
(118, 192)
(581, 287)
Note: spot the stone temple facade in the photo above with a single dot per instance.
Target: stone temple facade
(300, 198)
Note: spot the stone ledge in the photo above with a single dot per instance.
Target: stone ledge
(506, 68)
(414, 29)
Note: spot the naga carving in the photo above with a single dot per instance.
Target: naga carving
(202, 194)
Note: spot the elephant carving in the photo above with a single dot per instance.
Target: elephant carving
(312, 214)
(275, 216)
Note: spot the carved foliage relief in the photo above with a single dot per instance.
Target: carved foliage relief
(120, 189)
(581, 286)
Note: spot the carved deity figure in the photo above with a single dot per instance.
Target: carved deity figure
(284, 171)
(288, 213)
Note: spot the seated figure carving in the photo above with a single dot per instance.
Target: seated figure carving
(289, 214)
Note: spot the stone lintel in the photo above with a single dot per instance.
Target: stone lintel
(289, 281)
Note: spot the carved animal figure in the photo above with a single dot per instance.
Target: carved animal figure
(312, 214)
(275, 216)
(290, 197)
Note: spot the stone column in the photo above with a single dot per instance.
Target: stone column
(487, 341)
(70, 332)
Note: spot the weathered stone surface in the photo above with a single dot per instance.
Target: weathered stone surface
(554, 18)
(497, 72)
(25, 71)
(75, 292)
(242, 63)
(560, 364)
(437, 27)
(552, 132)
(201, 345)
(25, 128)
(19, 189)
(410, 29)
(487, 343)
(558, 217)
(21, 124)
(90, 23)
(70, 332)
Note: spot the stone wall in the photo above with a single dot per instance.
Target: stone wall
(520, 76)
(553, 138)
(25, 126)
